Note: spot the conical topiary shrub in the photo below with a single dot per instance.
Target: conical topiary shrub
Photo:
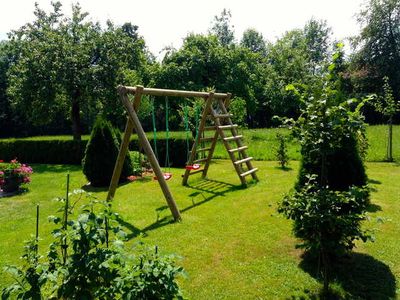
(344, 166)
(101, 154)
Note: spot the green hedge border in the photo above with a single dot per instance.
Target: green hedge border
(61, 151)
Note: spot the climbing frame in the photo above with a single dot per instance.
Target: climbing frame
(215, 111)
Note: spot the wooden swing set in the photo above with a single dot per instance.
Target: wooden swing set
(215, 110)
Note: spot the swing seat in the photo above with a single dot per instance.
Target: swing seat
(167, 176)
(193, 167)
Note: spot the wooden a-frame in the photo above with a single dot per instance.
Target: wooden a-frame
(215, 108)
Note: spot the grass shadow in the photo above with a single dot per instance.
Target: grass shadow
(204, 187)
(213, 188)
(95, 189)
(373, 181)
(360, 275)
(286, 169)
(374, 208)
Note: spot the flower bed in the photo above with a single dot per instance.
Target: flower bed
(13, 175)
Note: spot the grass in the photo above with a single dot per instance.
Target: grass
(264, 143)
(232, 242)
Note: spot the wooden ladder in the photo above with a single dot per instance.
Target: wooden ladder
(216, 111)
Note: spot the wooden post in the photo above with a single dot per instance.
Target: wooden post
(123, 150)
(149, 152)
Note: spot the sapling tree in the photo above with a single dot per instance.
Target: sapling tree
(331, 198)
(281, 151)
(388, 106)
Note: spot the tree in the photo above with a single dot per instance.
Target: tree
(254, 41)
(287, 64)
(388, 107)
(317, 38)
(222, 28)
(69, 66)
(378, 45)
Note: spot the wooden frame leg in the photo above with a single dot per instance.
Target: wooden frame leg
(149, 151)
(123, 150)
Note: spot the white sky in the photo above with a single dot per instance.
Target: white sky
(166, 22)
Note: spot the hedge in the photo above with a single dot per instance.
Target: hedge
(47, 151)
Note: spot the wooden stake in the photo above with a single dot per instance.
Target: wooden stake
(37, 222)
(64, 245)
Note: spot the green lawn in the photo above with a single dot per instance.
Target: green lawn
(232, 242)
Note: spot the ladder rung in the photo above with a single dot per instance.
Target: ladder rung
(200, 160)
(210, 128)
(238, 149)
(223, 116)
(203, 149)
(228, 126)
(197, 171)
(249, 172)
(238, 162)
(206, 139)
(232, 138)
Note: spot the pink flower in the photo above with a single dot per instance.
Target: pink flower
(14, 161)
(1, 173)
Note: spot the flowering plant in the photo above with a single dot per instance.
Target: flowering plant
(13, 175)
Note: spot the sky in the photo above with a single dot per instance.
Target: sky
(165, 23)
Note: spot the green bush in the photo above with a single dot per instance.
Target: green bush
(55, 151)
(101, 154)
(344, 166)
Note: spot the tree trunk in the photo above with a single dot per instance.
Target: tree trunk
(390, 140)
(76, 119)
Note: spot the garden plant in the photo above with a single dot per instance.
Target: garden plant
(87, 260)
(13, 175)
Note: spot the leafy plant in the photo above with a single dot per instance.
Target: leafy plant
(30, 278)
(281, 153)
(87, 260)
(328, 222)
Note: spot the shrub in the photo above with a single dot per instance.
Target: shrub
(101, 154)
(97, 265)
(328, 133)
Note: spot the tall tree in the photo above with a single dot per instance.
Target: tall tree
(67, 66)
(222, 28)
(379, 45)
(254, 41)
(317, 36)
